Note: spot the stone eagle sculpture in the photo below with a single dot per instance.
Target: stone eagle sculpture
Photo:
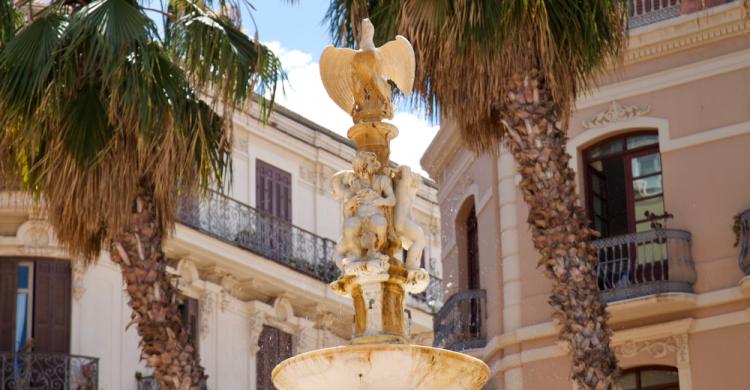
(357, 80)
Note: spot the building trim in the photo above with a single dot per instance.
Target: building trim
(666, 79)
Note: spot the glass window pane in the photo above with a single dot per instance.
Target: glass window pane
(659, 377)
(627, 382)
(642, 227)
(653, 205)
(22, 303)
(636, 141)
(23, 276)
(648, 186)
(646, 165)
(606, 148)
(598, 206)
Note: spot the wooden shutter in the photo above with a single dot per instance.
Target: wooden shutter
(52, 306)
(275, 347)
(273, 190)
(8, 275)
(190, 318)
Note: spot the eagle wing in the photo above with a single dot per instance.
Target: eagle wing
(398, 64)
(335, 71)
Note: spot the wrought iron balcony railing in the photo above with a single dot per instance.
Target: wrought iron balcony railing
(433, 296)
(459, 325)
(643, 12)
(146, 383)
(48, 371)
(646, 263)
(743, 221)
(238, 224)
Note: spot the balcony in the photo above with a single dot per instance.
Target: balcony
(459, 325)
(646, 263)
(643, 12)
(743, 239)
(37, 371)
(240, 225)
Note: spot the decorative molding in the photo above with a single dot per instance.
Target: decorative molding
(206, 305)
(615, 112)
(305, 340)
(79, 287)
(656, 349)
(188, 271)
(256, 322)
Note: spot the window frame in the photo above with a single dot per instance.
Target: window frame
(641, 369)
(29, 303)
(625, 154)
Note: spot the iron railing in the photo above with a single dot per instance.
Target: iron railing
(744, 241)
(433, 295)
(459, 325)
(238, 224)
(643, 12)
(646, 263)
(48, 371)
(13, 198)
(146, 383)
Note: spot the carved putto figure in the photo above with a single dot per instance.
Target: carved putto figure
(409, 231)
(357, 80)
(366, 195)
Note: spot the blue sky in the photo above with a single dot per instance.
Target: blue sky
(297, 35)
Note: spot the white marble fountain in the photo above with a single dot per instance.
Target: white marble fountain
(377, 219)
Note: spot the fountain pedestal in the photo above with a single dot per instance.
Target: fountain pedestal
(376, 205)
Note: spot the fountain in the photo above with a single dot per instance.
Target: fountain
(377, 219)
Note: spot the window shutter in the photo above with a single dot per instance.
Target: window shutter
(190, 322)
(273, 190)
(52, 306)
(274, 347)
(8, 275)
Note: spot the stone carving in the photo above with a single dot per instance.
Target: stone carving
(305, 340)
(410, 233)
(188, 271)
(616, 112)
(367, 195)
(357, 80)
(655, 348)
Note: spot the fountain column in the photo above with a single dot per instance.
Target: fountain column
(377, 201)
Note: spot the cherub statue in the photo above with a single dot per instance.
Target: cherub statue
(341, 188)
(410, 233)
(370, 194)
(357, 80)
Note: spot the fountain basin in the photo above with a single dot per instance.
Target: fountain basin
(381, 367)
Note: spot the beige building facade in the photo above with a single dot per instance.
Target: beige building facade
(253, 266)
(667, 132)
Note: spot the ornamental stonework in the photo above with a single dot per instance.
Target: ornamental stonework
(614, 113)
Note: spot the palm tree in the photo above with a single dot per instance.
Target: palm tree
(108, 115)
(522, 64)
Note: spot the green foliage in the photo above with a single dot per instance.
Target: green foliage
(96, 102)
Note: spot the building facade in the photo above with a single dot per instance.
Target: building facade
(660, 151)
(253, 266)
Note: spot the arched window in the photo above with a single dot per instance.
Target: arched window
(650, 378)
(467, 237)
(623, 183)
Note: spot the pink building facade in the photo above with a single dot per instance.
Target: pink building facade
(661, 150)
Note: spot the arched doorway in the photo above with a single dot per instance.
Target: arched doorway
(650, 378)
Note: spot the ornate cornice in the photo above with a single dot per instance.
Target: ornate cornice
(615, 112)
(656, 349)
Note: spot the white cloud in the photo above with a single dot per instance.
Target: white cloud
(306, 95)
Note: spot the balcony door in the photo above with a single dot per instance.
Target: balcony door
(624, 187)
(273, 196)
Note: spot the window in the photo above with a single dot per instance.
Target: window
(650, 378)
(275, 346)
(273, 190)
(624, 184)
(24, 304)
(472, 249)
(189, 312)
(35, 305)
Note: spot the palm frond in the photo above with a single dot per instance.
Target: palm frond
(220, 58)
(490, 42)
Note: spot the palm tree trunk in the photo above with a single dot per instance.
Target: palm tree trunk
(559, 227)
(164, 342)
